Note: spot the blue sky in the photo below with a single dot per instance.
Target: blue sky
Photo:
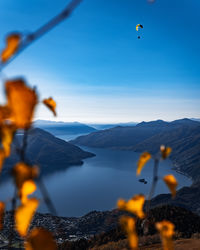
(95, 67)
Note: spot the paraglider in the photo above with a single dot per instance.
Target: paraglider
(138, 27)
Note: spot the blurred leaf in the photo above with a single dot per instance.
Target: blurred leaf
(51, 104)
(134, 205)
(144, 158)
(24, 215)
(27, 188)
(172, 183)
(166, 230)
(7, 132)
(21, 102)
(165, 151)
(128, 224)
(23, 172)
(40, 239)
(4, 113)
(13, 41)
(2, 210)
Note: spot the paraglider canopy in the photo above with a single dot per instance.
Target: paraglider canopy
(139, 26)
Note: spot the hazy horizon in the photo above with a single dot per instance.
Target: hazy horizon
(116, 122)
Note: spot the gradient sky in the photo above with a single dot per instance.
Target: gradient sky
(95, 67)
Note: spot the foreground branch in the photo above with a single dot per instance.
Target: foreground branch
(29, 39)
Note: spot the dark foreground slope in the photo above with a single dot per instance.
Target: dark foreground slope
(47, 151)
(183, 136)
(78, 233)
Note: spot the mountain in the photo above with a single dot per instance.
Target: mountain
(107, 126)
(120, 136)
(47, 151)
(183, 136)
(61, 128)
(195, 119)
(130, 136)
(185, 144)
(186, 197)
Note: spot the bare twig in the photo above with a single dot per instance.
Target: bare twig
(29, 39)
(154, 182)
(46, 197)
(24, 145)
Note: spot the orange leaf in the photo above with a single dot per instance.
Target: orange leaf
(40, 239)
(51, 104)
(172, 183)
(2, 210)
(134, 205)
(144, 158)
(165, 151)
(21, 102)
(13, 41)
(128, 224)
(24, 215)
(27, 188)
(4, 113)
(7, 133)
(23, 172)
(166, 229)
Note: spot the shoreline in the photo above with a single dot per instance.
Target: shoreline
(176, 167)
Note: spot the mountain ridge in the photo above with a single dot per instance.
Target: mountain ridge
(183, 136)
(45, 150)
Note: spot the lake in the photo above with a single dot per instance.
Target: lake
(98, 183)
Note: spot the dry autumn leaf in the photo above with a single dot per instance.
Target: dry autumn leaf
(4, 113)
(172, 183)
(24, 215)
(134, 205)
(21, 102)
(40, 239)
(27, 188)
(144, 158)
(23, 172)
(166, 230)
(13, 42)
(128, 224)
(7, 133)
(2, 210)
(51, 104)
(165, 151)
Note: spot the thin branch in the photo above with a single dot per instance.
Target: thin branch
(46, 197)
(29, 39)
(24, 145)
(153, 186)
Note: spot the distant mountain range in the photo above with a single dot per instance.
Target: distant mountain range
(49, 152)
(61, 128)
(107, 126)
(182, 135)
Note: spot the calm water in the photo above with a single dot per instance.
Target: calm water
(98, 183)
